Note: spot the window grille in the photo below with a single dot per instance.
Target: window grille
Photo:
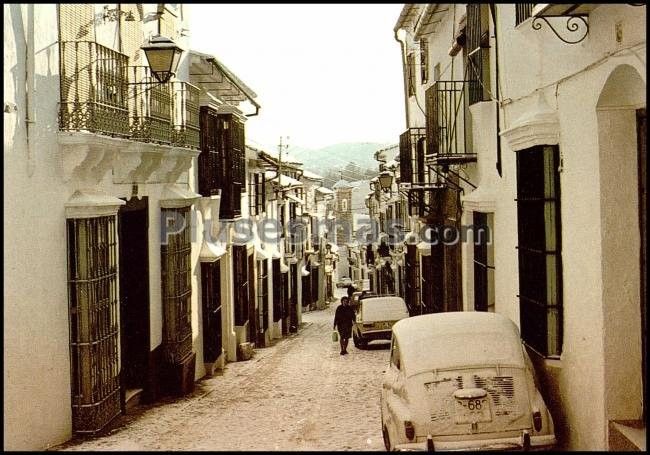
(241, 284)
(221, 161)
(315, 276)
(176, 268)
(185, 115)
(540, 248)
(412, 279)
(285, 303)
(150, 107)
(277, 291)
(522, 12)
(410, 71)
(93, 89)
(424, 61)
(446, 135)
(411, 154)
(483, 264)
(263, 294)
(211, 297)
(94, 322)
(256, 193)
(478, 57)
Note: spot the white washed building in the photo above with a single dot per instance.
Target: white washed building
(552, 159)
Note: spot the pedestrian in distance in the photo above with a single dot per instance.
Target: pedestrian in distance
(343, 321)
(351, 290)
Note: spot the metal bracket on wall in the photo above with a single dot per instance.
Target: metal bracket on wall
(572, 25)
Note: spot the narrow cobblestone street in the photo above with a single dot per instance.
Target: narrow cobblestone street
(299, 394)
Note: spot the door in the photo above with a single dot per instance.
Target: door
(134, 292)
(643, 227)
(253, 310)
(211, 305)
(293, 304)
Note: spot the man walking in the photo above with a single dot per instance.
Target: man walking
(343, 321)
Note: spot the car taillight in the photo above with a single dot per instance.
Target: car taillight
(409, 429)
(537, 420)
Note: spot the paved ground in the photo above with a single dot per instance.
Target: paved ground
(299, 394)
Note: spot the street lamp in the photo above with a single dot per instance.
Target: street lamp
(163, 56)
(386, 181)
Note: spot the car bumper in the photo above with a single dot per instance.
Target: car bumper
(376, 334)
(536, 443)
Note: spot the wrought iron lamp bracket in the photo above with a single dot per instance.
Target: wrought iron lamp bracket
(572, 25)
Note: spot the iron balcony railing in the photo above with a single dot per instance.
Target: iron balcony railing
(101, 94)
(150, 107)
(447, 138)
(411, 155)
(522, 12)
(93, 89)
(185, 103)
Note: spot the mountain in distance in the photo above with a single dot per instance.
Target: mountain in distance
(334, 158)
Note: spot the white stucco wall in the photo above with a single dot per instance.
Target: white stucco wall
(37, 408)
(571, 78)
(37, 369)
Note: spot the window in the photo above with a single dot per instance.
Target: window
(412, 279)
(483, 263)
(478, 58)
(344, 205)
(241, 284)
(256, 193)
(94, 323)
(221, 161)
(263, 294)
(540, 249)
(410, 73)
(394, 354)
(176, 268)
(522, 12)
(424, 61)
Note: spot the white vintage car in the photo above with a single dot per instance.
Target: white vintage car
(375, 317)
(462, 381)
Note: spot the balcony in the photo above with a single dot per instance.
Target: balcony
(115, 117)
(411, 156)
(150, 107)
(186, 115)
(447, 141)
(93, 89)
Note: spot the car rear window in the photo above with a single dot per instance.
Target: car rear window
(383, 309)
(460, 350)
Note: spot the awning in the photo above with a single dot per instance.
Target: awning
(285, 180)
(294, 199)
(322, 189)
(304, 271)
(175, 196)
(211, 251)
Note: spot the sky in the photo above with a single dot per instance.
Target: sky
(323, 74)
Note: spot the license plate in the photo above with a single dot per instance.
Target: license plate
(471, 410)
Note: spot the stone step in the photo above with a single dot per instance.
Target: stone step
(627, 435)
(132, 399)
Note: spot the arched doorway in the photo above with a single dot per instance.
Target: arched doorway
(621, 138)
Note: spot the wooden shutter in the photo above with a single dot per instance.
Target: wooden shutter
(432, 121)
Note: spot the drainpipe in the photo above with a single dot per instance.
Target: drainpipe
(496, 58)
(404, 63)
(29, 87)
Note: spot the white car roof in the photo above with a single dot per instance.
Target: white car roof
(457, 339)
